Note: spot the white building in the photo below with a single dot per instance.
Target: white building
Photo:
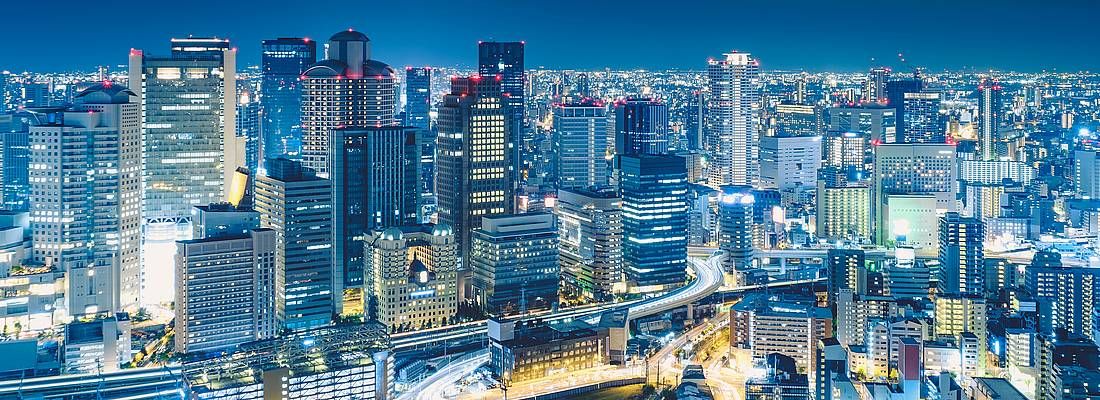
(102, 345)
(733, 120)
(789, 162)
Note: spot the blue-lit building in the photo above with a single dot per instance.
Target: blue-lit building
(374, 181)
(655, 219)
(282, 63)
(895, 98)
(418, 106)
(961, 258)
(735, 226)
(15, 153)
(922, 120)
(580, 145)
(641, 127)
(248, 127)
(514, 259)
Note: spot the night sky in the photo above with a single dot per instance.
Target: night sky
(64, 35)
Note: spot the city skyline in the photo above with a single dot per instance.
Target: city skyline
(814, 37)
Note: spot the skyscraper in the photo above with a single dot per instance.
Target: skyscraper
(735, 226)
(876, 122)
(473, 157)
(348, 89)
(374, 186)
(962, 262)
(514, 259)
(248, 128)
(1066, 294)
(875, 92)
(922, 120)
(590, 241)
(655, 218)
(733, 119)
(297, 205)
(86, 199)
(641, 127)
(282, 63)
(189, 114)
(989, 117)
(580, 145)
(506, 60)
(15, 148)
(798, 120)
(913, 169)
(418, 105)
(695, 121)
(895, 98)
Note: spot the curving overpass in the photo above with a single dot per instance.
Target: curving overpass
(708, 279)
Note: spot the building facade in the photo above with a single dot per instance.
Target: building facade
(733, 120)
(412, 276)
(514, 260)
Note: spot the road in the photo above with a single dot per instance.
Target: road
(436, 385)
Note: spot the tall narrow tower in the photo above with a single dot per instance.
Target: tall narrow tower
(733, 120)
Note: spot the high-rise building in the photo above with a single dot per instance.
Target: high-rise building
(913, 169)
(922, 120)
(374, 186)
(412, 276)
(189, 114)
(895, 98)
(789, 162)
(297, 205)
(798, 120)
(248, 128)
(790, 327)
(514, 259)
(875, 122)
(85, 197)
(654, 190)
(848, 153)
(875, 91)
(733, 120)
(641, 127)
(735, 226)
(15, 153)
(989, 117)
(959, 315)
(227, 291)
(418, 97)
(418, 105)
(580, 145)
(348, 89)
(473, 157)
(695, 121)
(1066, 294)
(505, 59)
(590, 242)
(843, 211)
(961, 259)
(282, 63)
(1086, 173)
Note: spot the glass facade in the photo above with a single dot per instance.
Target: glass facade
(282, 62)
(580, 145)
(655, 217)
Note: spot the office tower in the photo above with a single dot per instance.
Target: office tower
(913, 169)
(876, 122)
(472, 157)
(695, 120)
(297, 205)
(514, 259)
(1066, 294)
(189, 114)
(248, 128)
(348, 89)
(641, 127)
(85, 200)
(961, 258)
(418, 97)
(223, 219)
(282, 63)
(97, 346)
(505, 59)
(412, 276)
(733, 118)
(590, 242)
(374, 186)
(654, 190)
(580, 145)
(989, 117)
(798, 120)
(227, 291)
(789, 162)
(895, 98)
(735, 226)
(922, 120)
(790, 327)
(875, 91)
